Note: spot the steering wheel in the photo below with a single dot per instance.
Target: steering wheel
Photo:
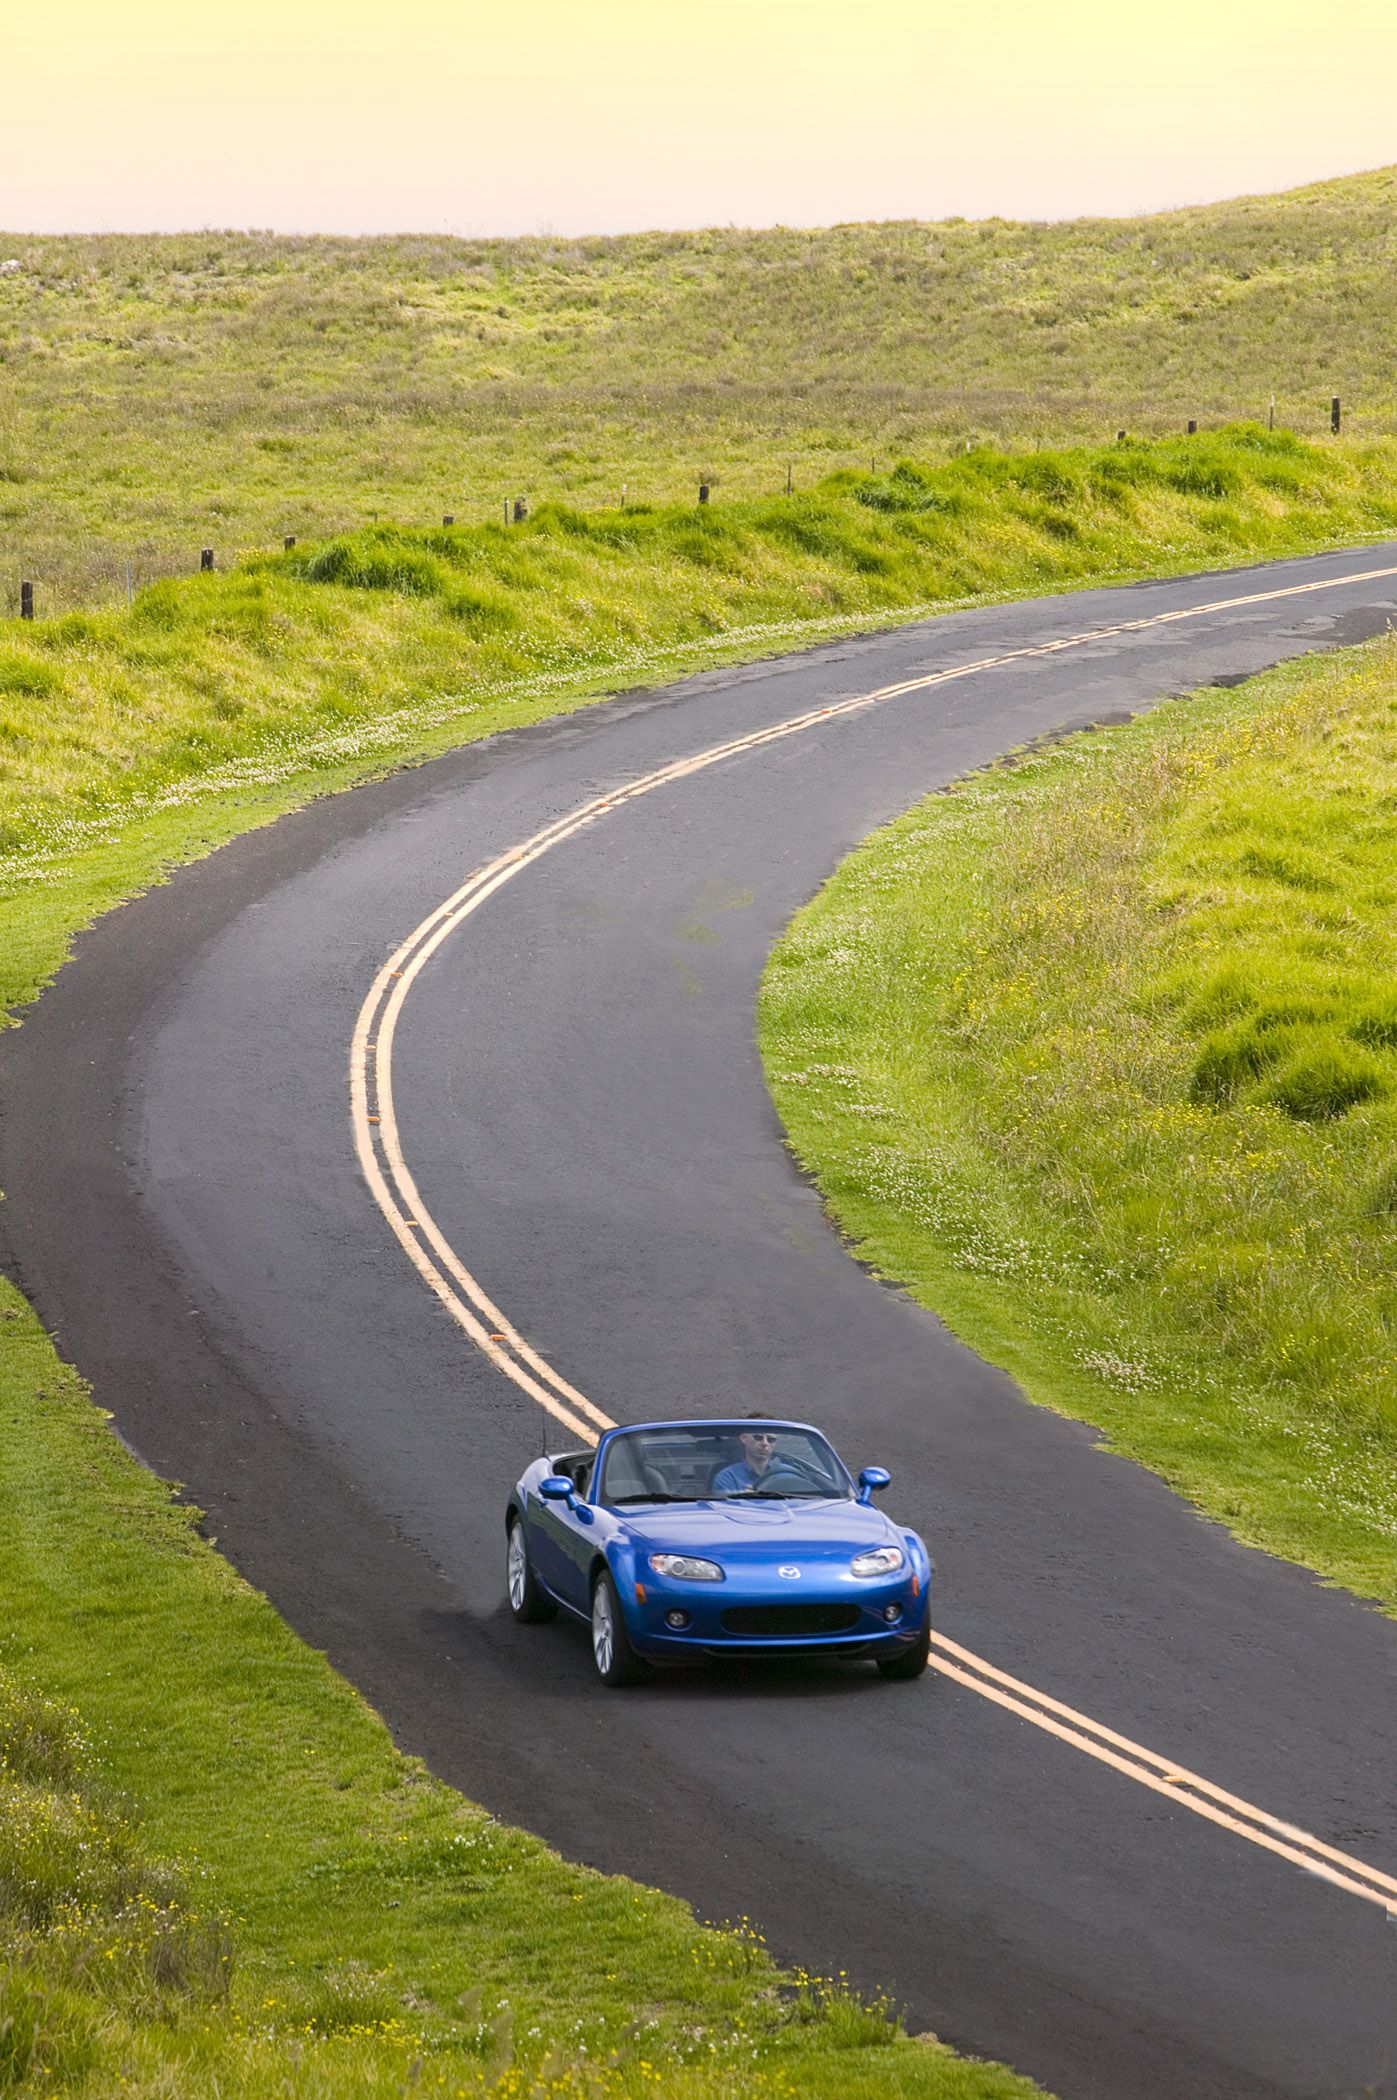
(802, 1465)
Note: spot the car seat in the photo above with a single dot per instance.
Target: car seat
(722, 1462)
(628, 1474)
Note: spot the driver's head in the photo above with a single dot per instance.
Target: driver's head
(757, 1447)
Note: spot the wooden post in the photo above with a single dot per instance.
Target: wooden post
(26, 601)
(289, 542)
(130, 592)
(521, 510)
(1271, 414)
(703, 492)
(1120, 437)
(788, 477)
(506, 510)
(206, 558)
(1334, 415)
(450, 518)
(1192, 427)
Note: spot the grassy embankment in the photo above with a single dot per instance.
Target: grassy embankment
(378, 1922)
(160, 394)
(1097, 1054)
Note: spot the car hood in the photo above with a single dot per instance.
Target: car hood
(756, 1529)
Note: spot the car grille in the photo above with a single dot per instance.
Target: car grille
(791, 1619)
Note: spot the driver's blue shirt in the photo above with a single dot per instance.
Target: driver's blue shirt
(734, 1478)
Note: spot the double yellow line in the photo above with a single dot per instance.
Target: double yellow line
(395, 1191)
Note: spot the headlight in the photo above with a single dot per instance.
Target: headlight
(684, 1568)
(883, 1560)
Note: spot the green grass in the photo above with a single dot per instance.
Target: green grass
(162, 394)
(217, 1875)
(1097, 1054)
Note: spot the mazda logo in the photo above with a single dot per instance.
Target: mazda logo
(791, 1574)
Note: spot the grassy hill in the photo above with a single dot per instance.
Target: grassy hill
(162, 394)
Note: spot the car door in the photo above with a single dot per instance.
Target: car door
(562, 1545)
(578, 1544)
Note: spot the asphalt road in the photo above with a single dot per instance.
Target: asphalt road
(581, 1100)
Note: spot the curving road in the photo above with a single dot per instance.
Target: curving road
(578, 1102)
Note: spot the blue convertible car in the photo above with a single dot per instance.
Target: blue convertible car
(678, 1540)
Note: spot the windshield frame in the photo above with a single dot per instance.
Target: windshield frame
(723, 1431)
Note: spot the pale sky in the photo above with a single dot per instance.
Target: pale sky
(573, 116)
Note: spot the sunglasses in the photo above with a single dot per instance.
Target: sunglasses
(759, 1436)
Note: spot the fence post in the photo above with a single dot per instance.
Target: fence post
(703, 492)
(1271, 414)
(788, 477)
(1120, 437)
(1192, 426)
(206, 558)
(1334, 415)
(506, 510)
(450, 518)
(289, 542)
(26, 601)
(521, 510)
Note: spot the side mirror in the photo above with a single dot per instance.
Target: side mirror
(872, 1481)
(557, 1488)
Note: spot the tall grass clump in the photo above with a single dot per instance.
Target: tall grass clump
(1117, 1047)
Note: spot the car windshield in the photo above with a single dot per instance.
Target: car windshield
(727, 1460)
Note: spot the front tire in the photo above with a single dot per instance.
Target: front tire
(912, 1661)
(530, 1604)
(616, 1660)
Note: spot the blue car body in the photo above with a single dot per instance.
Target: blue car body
(787, 1583)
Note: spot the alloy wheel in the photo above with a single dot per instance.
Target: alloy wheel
(517, 1567)
(603, 1631)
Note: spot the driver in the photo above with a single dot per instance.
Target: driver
(760, 1465)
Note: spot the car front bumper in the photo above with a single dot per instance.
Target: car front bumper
(875, 1618)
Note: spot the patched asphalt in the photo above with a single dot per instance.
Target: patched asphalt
(581, 1100)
